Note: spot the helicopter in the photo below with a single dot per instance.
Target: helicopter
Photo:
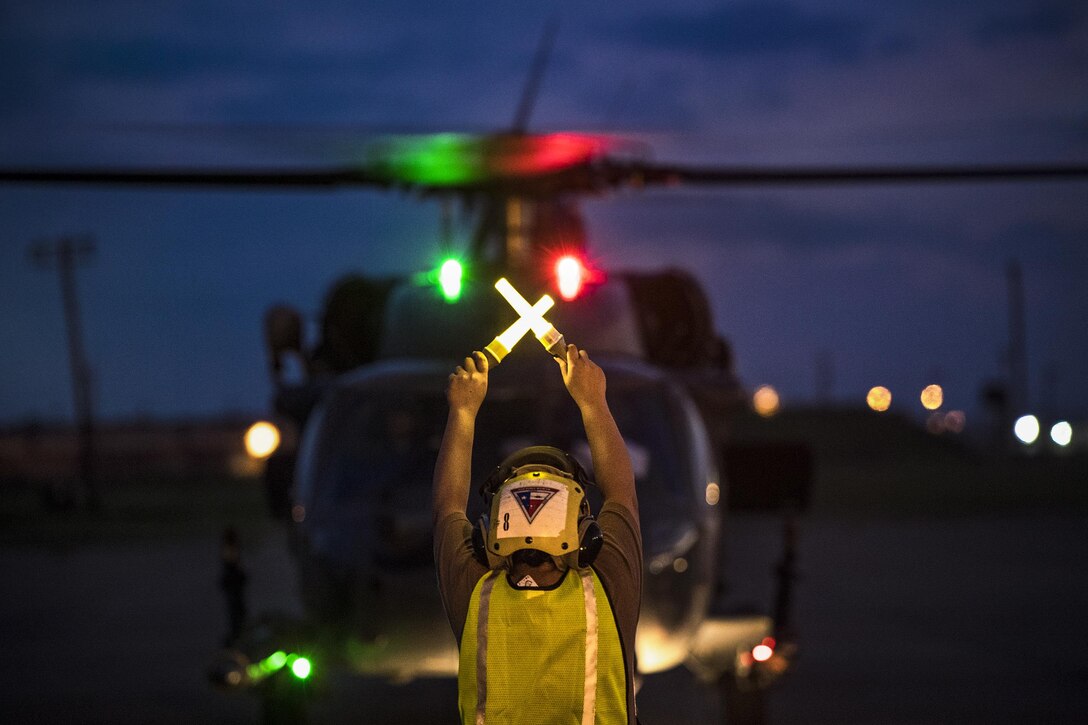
(368, 404)
(369, 410)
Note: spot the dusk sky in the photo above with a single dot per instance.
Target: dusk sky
(898, 285)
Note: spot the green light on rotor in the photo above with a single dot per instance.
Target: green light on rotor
(449, 279)
(441, 160)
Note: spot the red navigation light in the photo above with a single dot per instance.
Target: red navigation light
(570, 275)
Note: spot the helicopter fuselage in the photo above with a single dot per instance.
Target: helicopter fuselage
(361, 509)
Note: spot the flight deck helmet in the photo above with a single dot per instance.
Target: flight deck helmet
(536, 500)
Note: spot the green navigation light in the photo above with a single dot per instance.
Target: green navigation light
(449, 279)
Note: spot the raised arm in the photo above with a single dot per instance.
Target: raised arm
(453, 471)
(611, 463)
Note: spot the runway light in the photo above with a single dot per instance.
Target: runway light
(450, 275)
(1061, 433)
(879, 398)
(765, 401)
(1026, 429)
(932, 397)
(262, 439)
(762, 653)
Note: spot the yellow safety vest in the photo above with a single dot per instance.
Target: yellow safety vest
(541, 655)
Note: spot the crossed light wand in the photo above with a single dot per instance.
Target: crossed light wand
(530, 318)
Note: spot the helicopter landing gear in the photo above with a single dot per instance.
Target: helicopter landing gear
(742, 702)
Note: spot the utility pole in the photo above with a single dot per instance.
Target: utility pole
(64, 254)
(1018, 349)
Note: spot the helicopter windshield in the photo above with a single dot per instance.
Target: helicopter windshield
(368, 480)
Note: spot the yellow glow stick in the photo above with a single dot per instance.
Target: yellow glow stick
(504, 342)
(545, 332)
(537, 322)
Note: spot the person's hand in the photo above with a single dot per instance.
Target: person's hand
(468, 384)
(583, 377)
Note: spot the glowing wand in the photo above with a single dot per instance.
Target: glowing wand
(504, 342)
(545, 332)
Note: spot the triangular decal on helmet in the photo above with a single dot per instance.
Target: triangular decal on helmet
(532, 499)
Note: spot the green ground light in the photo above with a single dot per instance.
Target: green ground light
(301, 668)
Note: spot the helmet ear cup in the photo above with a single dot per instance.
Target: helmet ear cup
(480, 550)
(479, 540)
(590, 541)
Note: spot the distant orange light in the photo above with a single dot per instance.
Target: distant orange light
(879, 398)
(262, 439)
(765, 401)
(932, 397)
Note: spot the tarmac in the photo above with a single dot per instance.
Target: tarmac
(966, 619)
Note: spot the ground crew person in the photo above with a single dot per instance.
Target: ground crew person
(542, 597)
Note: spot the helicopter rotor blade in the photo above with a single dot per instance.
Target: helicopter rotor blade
(637, 174)
(585, 175)
(255, 178)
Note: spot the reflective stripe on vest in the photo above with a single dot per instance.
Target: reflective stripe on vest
(541, 655)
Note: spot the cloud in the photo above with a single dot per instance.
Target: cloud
(794, 82)
(757, 29)
(1038, 20)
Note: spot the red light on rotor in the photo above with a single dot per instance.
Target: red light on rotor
(570, 275)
